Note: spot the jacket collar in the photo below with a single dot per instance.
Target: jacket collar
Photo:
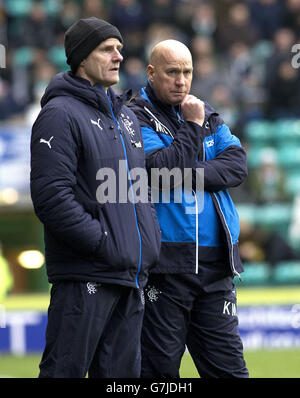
(173, 111)
(70, 85)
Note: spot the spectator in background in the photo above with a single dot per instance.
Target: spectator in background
(238, 27)
(162, 11)
(282, 41)
(257, 244)
(3, 25)
(284, 92)
(206, 76)
(129, 15)
(267, 181)
(95, 8)
(157, 32)
(42, 72)
(291, 17)
(266, 17)
(222, 99)
(69, 13)
(202, 46)
(133, 76)
(132, 19)
(38, 28)
(203, 20)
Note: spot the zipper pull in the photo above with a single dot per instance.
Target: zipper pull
(238, 275)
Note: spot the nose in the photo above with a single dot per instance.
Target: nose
(118, 56)
(180, 79)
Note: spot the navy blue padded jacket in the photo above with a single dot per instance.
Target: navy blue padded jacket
(204, 227)
(80, 130)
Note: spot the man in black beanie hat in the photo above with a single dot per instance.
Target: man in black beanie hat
(98, 248)
(84, 36)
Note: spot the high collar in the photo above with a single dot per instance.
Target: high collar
(70, 85)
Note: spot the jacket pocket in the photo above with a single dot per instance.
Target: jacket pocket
(150, 233)
(120, 246)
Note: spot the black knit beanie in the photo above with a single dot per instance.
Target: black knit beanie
(84, 36)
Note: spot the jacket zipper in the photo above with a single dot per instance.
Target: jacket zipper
(132, 193)
(197, 220)
(229, 233)
(197, 232)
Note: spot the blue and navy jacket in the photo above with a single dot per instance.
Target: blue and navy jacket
(80, 132)
(204, 227)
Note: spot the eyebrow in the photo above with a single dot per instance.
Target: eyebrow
(108, 46)
(178, 69)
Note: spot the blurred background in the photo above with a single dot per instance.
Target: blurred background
(246, 66)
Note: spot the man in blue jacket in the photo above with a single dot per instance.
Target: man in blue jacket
(190, 295)
(98, 248)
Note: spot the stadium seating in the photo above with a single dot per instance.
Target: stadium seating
(57, 56)
(286, 131)
(259, 132)
(23, 56)
(289, 155)
(292, 182)
(255, 274)
(263, 274)
(18, 8)
(286, 272)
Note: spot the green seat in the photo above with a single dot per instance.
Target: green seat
(23, 56)
(255, 154)
(262, 50)
(289, 156)
(255, 274)
(57, 56)
(287, 272)
(247, 212)
(274, 215)
(18, 8)
(292, 182)
(259, 132)
(52, 7)
(286, 131)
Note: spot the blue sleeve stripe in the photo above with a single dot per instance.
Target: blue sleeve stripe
(151, 140)
(224, 138)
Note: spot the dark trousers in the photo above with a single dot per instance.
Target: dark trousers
(180, 313)
(93, 329)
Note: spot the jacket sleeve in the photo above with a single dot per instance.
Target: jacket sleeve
(229, 168)
(53, 179)
(181, 152)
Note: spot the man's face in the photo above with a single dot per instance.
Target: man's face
(171, 78)
(103, 63)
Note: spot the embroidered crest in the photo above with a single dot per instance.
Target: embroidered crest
(92, 287)
(152, 293)
(127, 124)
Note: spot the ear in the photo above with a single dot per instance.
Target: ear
(82, 63)
(150, 72)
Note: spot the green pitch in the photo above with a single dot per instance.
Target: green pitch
(261, 364)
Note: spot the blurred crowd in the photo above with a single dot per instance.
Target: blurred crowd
(243, 67)
(242, 50)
